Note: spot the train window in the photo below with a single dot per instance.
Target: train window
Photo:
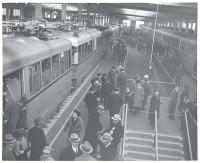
(46, 71)
(55, 66)
(63, 62)
(66, 53)
(83, 50)
(16, 12)
(69, 59)
(86, 49)
(4, 11)
(90, 47)
(34, 78)
(80, 55)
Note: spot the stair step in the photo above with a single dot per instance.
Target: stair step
(140, 148)
(170, 152)
(150, 134)
(145, 148)
(171, 145)
(162, 157)
(139, 155)
(133, 159)
(141, 141)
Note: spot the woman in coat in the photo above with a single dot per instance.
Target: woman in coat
(155, 105)
(138, 96)
(173, 102)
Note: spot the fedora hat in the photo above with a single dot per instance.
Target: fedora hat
(86, 147)
(74, 137)
(106, 137)
(8, 139)
(47, 150)
(116, 117)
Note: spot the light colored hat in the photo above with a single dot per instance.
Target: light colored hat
(106, 137)
(86, 147)
(96, 83)
(47, 149)
(9, 139)
(146, 77)
(74, 137)
(116, 117)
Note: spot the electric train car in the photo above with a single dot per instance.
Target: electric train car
(38, 70)
(46, 71)
(183, 49)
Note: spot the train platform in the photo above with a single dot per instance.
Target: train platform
(137, 64)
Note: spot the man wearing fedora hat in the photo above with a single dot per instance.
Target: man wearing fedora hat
(116, 130)
(46, 154)
(36, 139)
(91, 100)
(73, 150)
(74, 124)
(107, 149)
(87, 149)
(9, 148)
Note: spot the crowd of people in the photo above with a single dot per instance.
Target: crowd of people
(108, 91)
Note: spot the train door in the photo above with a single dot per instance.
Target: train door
(13, 89)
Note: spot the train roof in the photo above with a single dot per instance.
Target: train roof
(21, 50)
(85, 35)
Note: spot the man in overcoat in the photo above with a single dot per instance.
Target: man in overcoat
(75, 123)
(107, 150)
(173, 102)
(37, 139)
(73, 150)
(116, 102)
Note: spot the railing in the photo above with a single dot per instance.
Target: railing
(188, 136)
(156, 136)
(124, 121)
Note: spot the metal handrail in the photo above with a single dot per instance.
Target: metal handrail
(124, 123)
(156, 136)
(188, 135)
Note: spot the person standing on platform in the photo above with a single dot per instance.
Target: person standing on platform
(22, 105)
(138, 97)
(118, 69)
(91, 100)
(116, 130)
(173, 102)
(116, 102)
(183, 95)
(8, 148)
(107, 149)
(37, 139)
(74, 124)
(122, 80)
(155, 106)
(106, 90)
(22, 145)
(178, 74)
(86, 149)
(146, 88)
(92, 129)
(112, 76)
(73, 150)
(97, 78)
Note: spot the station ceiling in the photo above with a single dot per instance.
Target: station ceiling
(138, 11)
(143, 11)
(146, 11)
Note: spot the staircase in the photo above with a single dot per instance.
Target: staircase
(139, 146)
